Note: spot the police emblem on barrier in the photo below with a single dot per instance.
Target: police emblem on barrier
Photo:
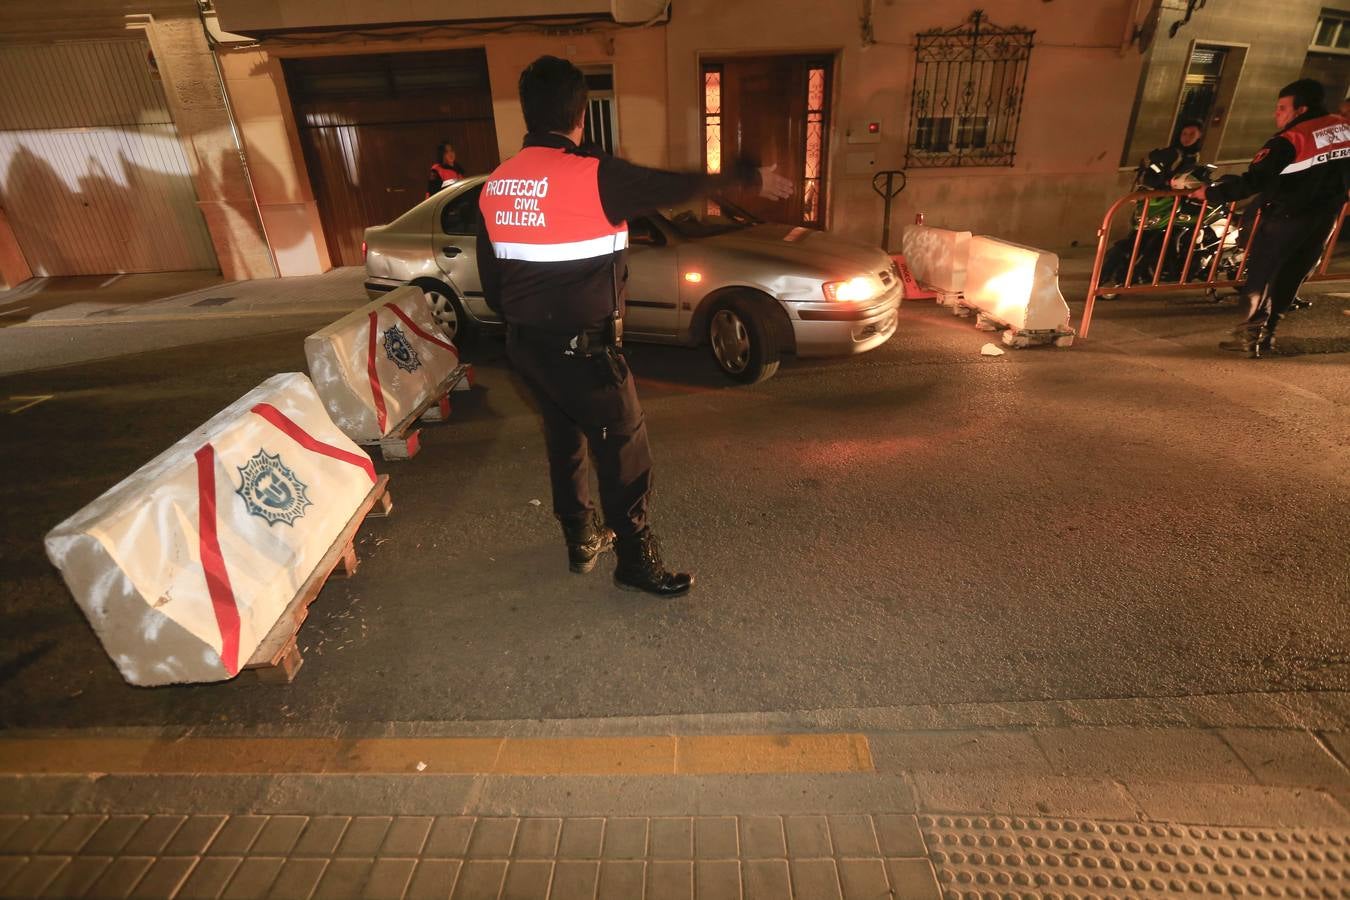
(400, 351)
(270, 489)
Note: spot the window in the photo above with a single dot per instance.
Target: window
(1200, 90)
(644, 233)
(601, 122)
(712, 119)
(1333, 32)
(969, 84)
(812, 185)
(461, 215)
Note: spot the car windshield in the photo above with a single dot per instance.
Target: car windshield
(728, 217)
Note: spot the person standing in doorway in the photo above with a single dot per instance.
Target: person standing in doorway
(552, 258)
(1302, 175)
(445, 171)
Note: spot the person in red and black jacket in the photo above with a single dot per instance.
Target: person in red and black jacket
(552, 258)
(445, 171)
(1302, 175)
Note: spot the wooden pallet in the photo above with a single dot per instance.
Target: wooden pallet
(405, 440)
(278, 658)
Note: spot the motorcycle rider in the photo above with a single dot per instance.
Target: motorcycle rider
(1155, 173)
(1302, 175)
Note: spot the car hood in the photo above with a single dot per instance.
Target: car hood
(805, 246)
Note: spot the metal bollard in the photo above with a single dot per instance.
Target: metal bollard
(888, 193)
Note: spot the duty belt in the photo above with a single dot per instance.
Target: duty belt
(583, 343)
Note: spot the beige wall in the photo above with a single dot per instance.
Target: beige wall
(1080, 88)
(263, 110)
(251, 15)
(1080, 91)
(1276, 38)
(195, 100)
(14, 269)
(267, 128)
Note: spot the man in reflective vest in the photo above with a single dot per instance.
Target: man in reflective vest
(445, 171)
(552, 257)
(1302, 175)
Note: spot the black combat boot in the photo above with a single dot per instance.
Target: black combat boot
(640, 568)
(1263, 345)
(586, 539)
(1245, 340)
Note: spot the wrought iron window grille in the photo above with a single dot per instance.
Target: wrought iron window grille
(969, 84)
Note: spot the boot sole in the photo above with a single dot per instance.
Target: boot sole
(634, 589)
(588, 567)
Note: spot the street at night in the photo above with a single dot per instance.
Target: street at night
(674, 449)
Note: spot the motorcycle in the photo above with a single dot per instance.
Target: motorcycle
(1211, 235)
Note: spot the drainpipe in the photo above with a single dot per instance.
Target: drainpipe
(202, 7)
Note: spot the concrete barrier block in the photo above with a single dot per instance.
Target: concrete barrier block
(183, 567)
(937, 257)
(375, 365)
(1016, 286)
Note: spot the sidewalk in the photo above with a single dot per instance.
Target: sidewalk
(1239, 795)
(138, 299)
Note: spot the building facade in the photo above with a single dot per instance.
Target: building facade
(261, 136)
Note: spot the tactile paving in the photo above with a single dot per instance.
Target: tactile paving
(1001, 857)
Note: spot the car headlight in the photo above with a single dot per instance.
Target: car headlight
(860, 288)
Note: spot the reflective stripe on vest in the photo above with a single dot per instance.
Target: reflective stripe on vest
(543, 205)
(1317, 141)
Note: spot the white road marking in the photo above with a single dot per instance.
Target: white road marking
(33, 400)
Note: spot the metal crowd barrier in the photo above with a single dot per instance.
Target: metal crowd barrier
(1211, 280)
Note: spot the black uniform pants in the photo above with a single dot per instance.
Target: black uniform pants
(589, 413)
(1283, 254)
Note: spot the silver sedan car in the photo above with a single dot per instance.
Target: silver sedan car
(748, 290)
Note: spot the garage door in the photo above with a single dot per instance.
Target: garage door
(370, 124)
(93, 178)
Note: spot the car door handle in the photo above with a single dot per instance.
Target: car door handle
(451, 251)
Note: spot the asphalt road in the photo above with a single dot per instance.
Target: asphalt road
(1138, 516)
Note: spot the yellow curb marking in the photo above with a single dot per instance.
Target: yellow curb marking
(654, 755)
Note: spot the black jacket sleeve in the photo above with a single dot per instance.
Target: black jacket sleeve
(489, 273)
(628, 190)
(433, 183)
(1261, 176)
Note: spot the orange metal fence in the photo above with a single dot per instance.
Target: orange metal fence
(1211, 227)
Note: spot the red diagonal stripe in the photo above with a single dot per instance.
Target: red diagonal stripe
(381, 415)
(417, 330)
(293, 431)
(213, 563)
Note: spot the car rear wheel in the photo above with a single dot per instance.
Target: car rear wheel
(448, 312)
(742, 340)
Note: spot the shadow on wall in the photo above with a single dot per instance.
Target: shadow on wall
(30, 181)
(104, 201)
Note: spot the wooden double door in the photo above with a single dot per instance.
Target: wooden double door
(370, 124)
(776, 110)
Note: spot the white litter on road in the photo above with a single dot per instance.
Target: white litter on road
(991, 350)
(535, 503)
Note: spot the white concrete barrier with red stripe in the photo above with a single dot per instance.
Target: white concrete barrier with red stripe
(937, 257)
(1018, 287)
(183, 567)
(379, 364)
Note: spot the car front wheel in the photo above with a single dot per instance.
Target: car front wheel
(742, 341)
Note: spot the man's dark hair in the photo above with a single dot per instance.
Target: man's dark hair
(441, 148)
(1305, 92)
(552, 95)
